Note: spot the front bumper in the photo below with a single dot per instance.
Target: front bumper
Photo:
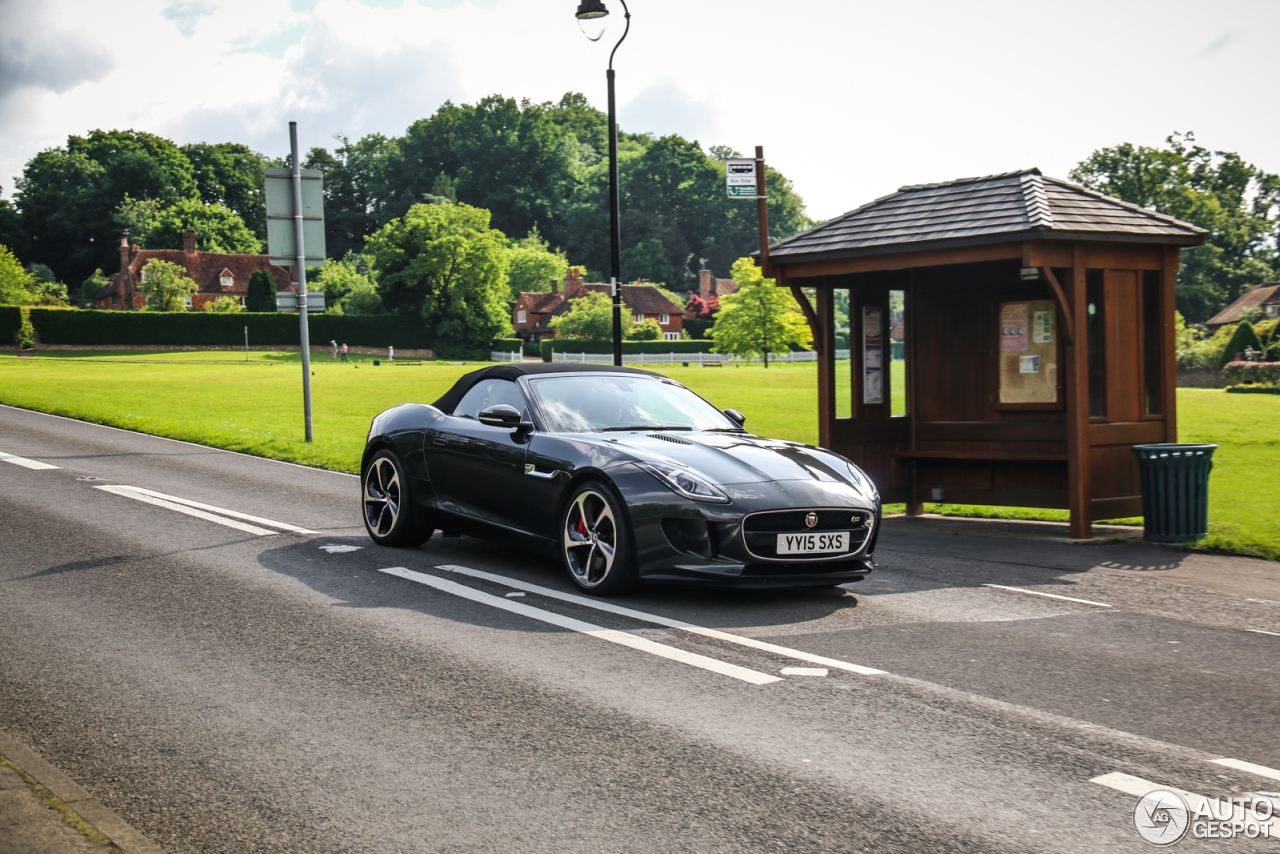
(685, 541)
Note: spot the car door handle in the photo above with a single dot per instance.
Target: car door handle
(532, 471)
(439, 441)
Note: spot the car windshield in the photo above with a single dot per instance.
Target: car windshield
(594, 404)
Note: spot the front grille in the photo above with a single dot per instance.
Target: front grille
(760, 531)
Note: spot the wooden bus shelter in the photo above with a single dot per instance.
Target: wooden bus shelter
(1001, 340)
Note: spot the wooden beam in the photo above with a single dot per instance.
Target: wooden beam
(1062, 302)
(1077, 355)
(806, 308)
(900, 260)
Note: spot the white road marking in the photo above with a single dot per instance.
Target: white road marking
(34, 465)
(129, 492)
(665, 621)
(339, 549)
(1136, 786)
(223, 511)
(1240, 765)
(804, 671)
(515, 595)
(1050, 595)
(724, 668)
(1261, 632)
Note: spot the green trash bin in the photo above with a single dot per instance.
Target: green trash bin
(1175, 491)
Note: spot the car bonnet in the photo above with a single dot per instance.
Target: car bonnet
(733, 458)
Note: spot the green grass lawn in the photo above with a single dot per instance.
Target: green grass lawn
(219, 398)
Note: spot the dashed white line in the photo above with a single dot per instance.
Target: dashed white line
(270, 523)
(34, 465)
(1138, 787)
(1261, 632)
(1241, 765)
(723, 668)
(1050, 595)
(786, 652)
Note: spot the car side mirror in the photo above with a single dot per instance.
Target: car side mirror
(736, 417)
(502, 415)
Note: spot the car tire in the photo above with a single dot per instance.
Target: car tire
(595, 541)
(387, 506)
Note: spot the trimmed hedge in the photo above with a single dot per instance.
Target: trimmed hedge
(507, 345)
(1253, 389)
(697, 329)
(1250, 373)
(124, 328)
(579, 345)
(10, 320)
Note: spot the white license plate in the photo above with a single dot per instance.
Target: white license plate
(808, 544)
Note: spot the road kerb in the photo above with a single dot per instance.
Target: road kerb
(73, 799)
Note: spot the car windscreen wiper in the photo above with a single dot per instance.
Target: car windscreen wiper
(723, 430)
(646, 427)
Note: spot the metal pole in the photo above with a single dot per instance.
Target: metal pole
(303, 335)
(615, 231)
(246, 343)
(762, 211)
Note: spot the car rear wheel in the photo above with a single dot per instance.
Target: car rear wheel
(390, 516)
(595, 541)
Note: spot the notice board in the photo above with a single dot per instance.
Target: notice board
(1028, 352)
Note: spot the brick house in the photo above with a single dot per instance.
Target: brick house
(216, 274)
(709, 286)
(533, 311)
(1264, 297)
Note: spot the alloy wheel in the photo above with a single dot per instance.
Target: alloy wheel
(590, 538)
(382, 497)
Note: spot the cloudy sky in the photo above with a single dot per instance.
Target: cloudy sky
(850, 99)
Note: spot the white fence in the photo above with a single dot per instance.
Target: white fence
(668, 358)
(513, 356)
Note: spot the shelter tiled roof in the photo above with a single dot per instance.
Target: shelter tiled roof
(1256, 297)
(1021, 205)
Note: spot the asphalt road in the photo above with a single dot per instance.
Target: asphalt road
(228, 684)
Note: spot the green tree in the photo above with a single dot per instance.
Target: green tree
(648, 330)
(760, 318)
(339, 279)
(166, 285)
(363, 298)
(233, 176)
(224, 305)
(90, 287)
(261, 295)
(1235, 201)
(136, 216)
(444, 263)
(361, 193)
(217, 229)
(17, 286)
(590, 316)
(1243, 336)
(532, 264)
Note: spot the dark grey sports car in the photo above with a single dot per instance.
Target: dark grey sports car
(624, 475)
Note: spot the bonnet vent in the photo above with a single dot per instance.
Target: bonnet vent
(672, 439)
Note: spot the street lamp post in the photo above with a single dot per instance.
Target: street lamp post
(590, 12)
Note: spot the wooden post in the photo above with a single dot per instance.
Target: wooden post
(762, 214)
(1169, 340)
(914, 505)
(1078, 404)
(825, 332)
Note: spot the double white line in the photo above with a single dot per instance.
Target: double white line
(207, 512)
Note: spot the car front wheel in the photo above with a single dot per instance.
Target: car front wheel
(595, 541)
(390, 516)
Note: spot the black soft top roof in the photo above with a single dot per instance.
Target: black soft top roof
(453, 396)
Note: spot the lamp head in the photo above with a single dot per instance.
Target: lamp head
(591, 15)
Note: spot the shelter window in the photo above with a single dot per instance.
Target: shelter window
(1029, 353)
(1151, 343)
(897, 353)
(1096, 332)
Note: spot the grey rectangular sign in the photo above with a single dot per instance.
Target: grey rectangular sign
(288, 301)
(280, 234)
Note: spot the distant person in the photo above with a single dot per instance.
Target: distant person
(344, 352)
(391, 354)
(334, 345)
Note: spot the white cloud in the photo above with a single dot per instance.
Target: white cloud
(850, 99)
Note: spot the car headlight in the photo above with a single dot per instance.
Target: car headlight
(684, 482)
(863, 482)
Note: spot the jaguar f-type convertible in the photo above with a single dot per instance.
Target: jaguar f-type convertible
(624, 475)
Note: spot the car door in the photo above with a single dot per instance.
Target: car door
(478, 470)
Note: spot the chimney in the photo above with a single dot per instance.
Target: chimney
(704, 283)
(189, 241)
(572, 280)
(124, 257)
(555, 285)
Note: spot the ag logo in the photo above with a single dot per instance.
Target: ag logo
(1161, 817)
(811, 519)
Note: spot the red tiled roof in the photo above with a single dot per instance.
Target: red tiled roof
(207, 268)
(1256, 297)
(535, 301)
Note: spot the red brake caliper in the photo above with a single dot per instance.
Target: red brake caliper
(582, 524)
